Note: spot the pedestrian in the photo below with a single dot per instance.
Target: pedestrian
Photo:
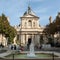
(11, 47)
(14, 47)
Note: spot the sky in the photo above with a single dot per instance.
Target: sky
(14, 9)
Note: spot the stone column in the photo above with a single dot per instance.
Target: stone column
(25, 38)
(38, 39)
(35, 39)
(32, 39)
(20, 39)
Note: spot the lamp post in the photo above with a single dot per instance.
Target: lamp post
(13, 52)
(55, 36)
(53, 55)
(13, 56)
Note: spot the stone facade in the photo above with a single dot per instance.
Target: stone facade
(29, 28)
(3, 40)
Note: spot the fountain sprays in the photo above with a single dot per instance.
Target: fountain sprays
(31, 53)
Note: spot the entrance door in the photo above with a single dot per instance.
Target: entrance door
(29, 41)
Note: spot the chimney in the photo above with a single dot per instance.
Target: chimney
(50, 19)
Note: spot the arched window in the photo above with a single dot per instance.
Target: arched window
(29, 23)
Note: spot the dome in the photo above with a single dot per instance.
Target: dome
(29, 11)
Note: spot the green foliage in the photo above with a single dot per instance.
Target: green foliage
(12, 33)
(53, 27)
(50, 40)
(6, 29)
(57, 23)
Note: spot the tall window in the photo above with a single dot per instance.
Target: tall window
(33, 24)
(29, 23)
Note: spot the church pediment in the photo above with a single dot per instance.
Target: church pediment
(29, 15)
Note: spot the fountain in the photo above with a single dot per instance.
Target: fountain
(31, 53)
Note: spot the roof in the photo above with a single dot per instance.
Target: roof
(29, 12)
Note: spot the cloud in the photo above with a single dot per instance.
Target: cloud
(44, 17)
(37, 0)
(41, 10)
(15, 8)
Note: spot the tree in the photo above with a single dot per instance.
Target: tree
(12, 34)
(6, 29)
(41, 39)
(53, 27)
(57, 22)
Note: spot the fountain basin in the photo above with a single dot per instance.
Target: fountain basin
(31, 55)
(24, 56)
